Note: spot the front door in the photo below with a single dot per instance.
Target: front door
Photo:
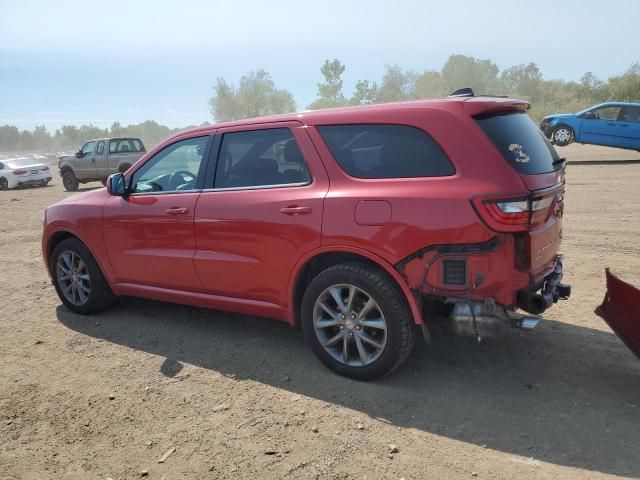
(149, 233)
(85, 166)
(261, 212)
(602, 127)
(101, 160)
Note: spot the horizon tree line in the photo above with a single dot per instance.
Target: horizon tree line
(256, 94)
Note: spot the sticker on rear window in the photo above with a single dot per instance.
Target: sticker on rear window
(518, 153)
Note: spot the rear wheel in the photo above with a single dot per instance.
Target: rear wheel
(357, 321)
(4, 184)
(562, 135)
(78, 279)
(70, 181)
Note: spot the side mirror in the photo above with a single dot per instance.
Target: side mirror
(79, 154)
(117, 185)
(590, 116)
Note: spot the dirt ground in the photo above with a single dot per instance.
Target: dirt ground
(240, 397)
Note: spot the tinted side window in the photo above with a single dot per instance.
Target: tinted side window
(630, 114)
(175, 168)
(385, 151)
(100, 147)
(125, 145)
(607, 113)
(260, 158)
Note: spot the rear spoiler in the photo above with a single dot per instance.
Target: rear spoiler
(488, 104)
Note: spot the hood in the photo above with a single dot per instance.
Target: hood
(78, 197)
(558, 115)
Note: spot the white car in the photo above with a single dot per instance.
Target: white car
(16, 172)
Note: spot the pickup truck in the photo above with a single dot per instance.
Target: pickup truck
(98, 159)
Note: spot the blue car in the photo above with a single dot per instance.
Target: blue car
(612, 124)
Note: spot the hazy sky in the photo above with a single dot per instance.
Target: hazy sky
(73, 62)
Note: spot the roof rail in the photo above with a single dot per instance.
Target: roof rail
(463, 92)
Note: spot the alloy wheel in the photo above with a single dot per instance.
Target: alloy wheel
(350, 325)
(73, 277)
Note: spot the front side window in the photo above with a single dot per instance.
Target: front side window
(89, 148)
(260, 158)
(607, 113)
(100, 148)
(385, 151)
(175, 168)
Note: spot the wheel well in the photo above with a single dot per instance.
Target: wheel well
(55, 239)
(320, 263)
(66, 169)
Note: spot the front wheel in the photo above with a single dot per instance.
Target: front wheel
(4, 184)
(562, 136)
(78, 279)
(70, 181)
(357, 321)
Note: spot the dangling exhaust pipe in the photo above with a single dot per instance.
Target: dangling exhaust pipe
(534, 303)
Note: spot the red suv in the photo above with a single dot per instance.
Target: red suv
(358, 224)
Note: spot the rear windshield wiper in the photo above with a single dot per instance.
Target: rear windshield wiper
(558, 161)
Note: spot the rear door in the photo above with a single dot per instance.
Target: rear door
(630, 126)
(260, 211)
(149, 233)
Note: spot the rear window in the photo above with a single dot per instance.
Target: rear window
(125, 145)
(521, 142)
(385, 151)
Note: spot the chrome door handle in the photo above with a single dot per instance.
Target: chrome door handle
(294, 210)
(177, 211)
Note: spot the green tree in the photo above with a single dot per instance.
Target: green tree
(255, 96)
(462, 71)
(330, 91)
(365, 93)
(396, 85)
(428, 85)
(9, 138)
(522, 81)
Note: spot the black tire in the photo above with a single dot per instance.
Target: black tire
(100, 296)
(400, 325)
(123, 168)
(70, 181)
(562, 135)
(4, 184)
(103, 181)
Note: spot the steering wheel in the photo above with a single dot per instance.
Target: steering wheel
(180, 178)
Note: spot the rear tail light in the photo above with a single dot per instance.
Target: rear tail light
(19, 172)
(516, 214)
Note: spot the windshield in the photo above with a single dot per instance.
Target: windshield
(520, 142)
